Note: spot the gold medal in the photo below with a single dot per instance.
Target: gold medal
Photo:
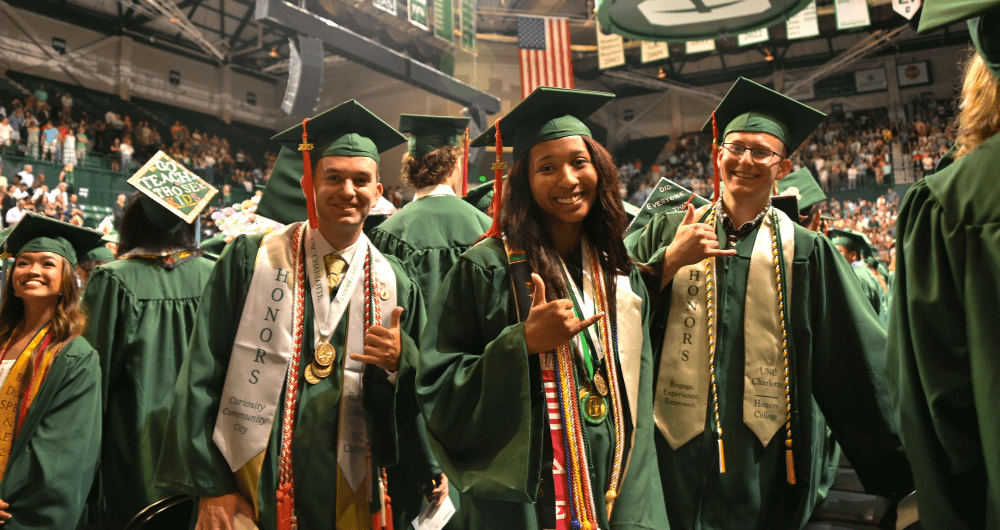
(324, 354)
(310, 376)
(594, 408)
(321, 371)
(600, 384)
(384, 294)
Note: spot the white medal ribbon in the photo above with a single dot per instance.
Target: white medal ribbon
(764, 372)
(260, 354)
(326, 314)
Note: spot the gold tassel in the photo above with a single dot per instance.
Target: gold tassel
(790, 466)
(722, 458)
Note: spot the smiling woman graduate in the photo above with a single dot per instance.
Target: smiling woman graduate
(50, 382)
(516, 380)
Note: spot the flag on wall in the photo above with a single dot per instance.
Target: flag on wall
(544, 53)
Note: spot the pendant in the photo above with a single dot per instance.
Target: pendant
(311, 376)
(594, 408)
(321, 371)
(600, 384)
(324, 354)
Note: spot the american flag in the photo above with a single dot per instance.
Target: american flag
(544, 53)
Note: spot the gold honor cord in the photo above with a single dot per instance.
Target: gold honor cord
(781, 281)
(710, 310)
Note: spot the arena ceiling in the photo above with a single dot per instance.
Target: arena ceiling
(225, 32)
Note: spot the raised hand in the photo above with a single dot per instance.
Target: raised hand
(551, 324)
(692, 243)
(382, 345)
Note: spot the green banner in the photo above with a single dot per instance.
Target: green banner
(444, 20)
(417, 10)
(468, 24)
(171, 185)
(692, 20)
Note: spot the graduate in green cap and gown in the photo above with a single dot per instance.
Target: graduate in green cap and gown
(855, 247)
(142, 311)
(430, 233)
(50, 382)
(301, 363)
(536, 356)
(943, 334)
(808, 195)
(742, 416)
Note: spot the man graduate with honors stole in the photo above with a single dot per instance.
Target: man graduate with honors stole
(768, 341)
(300, 373)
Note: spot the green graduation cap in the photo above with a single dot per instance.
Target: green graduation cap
(481, 196)
(851, 239)
(546, 114)
(983, 17)
(428, 133)
(171, 194)
(101, 252)
(752, 107)
(348, 129)
(37, 233)
(666, 196)
(803, 185)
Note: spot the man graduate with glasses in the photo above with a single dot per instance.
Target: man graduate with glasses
(741, 412)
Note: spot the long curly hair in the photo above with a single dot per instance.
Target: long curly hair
(979, 116)
(430, 169)
(521, 222)
(69, 319)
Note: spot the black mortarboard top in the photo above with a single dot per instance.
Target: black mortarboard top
(349, 129)
(752, 107)
(37, 233)
(428, 133)
(984, 24)
(809, 192)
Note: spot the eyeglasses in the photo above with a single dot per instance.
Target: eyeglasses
(758, 154)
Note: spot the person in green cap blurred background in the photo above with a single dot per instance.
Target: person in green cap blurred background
(741, 413)
(429, 234)
(546, 310)
(50, 380)
(290, 324)
(142, 310)
(95, 257)
(809, 197)
(855, 247)
(943, 333)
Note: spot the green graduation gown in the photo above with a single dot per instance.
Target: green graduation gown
(485, 406)
(141, 317)
(53, 458)
(944, 341)
(872, 290)
(191, 463)
(837, 362)
(428, 235)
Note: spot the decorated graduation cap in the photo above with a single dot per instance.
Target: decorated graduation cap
(667, 196)
(983, 17)
(349, 129)
(171, 195)
(546, 114)
(428, 133)
(37, 233)
(802, 184)
(752, 107)
(851, 239)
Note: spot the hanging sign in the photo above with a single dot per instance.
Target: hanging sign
(610, 49)
(851, 13)
(444, 20)
(653, 51)
(417, 10)
(699, 46)
(906, 8)
(753, 37)
(804, 24)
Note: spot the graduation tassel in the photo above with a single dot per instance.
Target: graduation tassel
(307, 177)
(790, 464)
(722, 456)
(465, 163)
(715, 159)
(285, 508)
(498, 168)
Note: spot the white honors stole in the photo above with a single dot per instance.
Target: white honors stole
(260, 354)
(684, 379)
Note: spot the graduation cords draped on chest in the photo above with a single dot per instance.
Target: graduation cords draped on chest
(268, 349)
(567, 398)
(686, 388)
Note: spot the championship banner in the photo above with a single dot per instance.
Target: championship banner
(389, 6)
(417, 13)
(803, 25)
(692, 20)
(753, 37)
(653, 51)
(172, 186)
(444, 20)
(467, 22)
(870, 80)
(913, 74)
(699, 46)
(610, 49)
(666, 196)
(851, 13)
